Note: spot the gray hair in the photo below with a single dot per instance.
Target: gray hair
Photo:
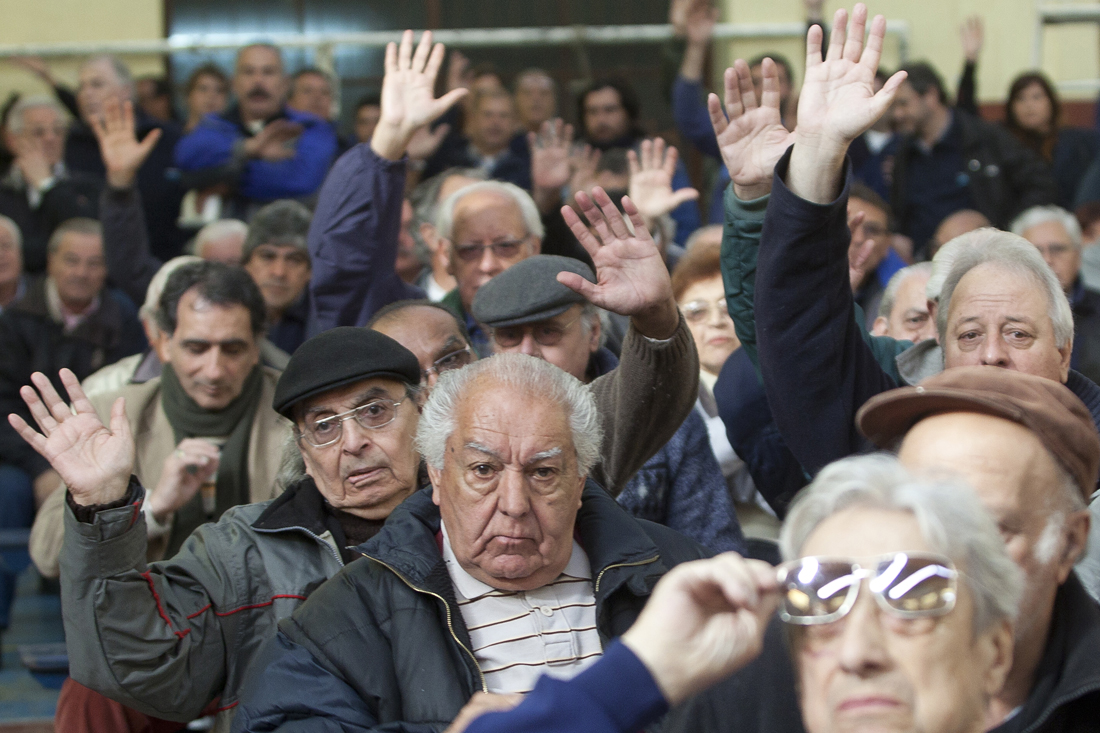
(890, 294)
(284, 222)
(122, 71)
(1037, 215)
(80, 225)
(216, 230)
(425, 197)
(1017, 255)
(942, 263)
(15, 116)
(535, 377)
(148, 310)
(951, 520)
(16, 233)
(523, 201)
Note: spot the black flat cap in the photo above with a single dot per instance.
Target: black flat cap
(339, 357)
(528, 291)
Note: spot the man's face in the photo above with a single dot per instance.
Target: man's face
(909, 319)
(429, 333)
(259, 83)
(43, 126)
(78, 269)
(208, 96)
(564, 340)
(509, 490)
(226, 249)
(1016, 479)
(1002, 318)
(757, 73)
(492, 124)
(212, 351)
(605, 117)
(910, 110)
(704, 307)
(535, 100)
(484, 218)
(875, 226)
(98, 84)
(366, 119)
(11, 257)
(1054, 243)
(281, 271)
(367, 472)
(312, 93)
(872, 671)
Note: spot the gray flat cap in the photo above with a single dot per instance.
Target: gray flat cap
(528, 291)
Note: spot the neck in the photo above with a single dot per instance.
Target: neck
(489, 152)
(937, 125)
(442, 277)
(1027, 654)
(8, 291)
(274, 315)
(76, 309)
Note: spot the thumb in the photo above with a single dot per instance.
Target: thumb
(149, 142)
(683, 196)
(449, 100)
(582, 286)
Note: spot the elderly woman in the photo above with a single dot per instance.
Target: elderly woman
(697, 287)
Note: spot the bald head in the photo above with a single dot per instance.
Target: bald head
(431, 332)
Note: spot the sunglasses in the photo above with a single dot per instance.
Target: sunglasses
(909, 585)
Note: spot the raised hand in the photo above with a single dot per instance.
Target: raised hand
(701, 18)
(651, 180)
(753, 139)
(551, 149)
(119, 147)
(838, 102)
(584, 161)
(94, 461)
(972, 34)
(31, 159)
(36, 65)
(408, 94)
(631, 277)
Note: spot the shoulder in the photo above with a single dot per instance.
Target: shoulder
(674, 547)
(137, 397)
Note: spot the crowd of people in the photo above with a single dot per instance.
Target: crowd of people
(477, 420)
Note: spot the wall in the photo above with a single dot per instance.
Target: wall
(1070, 52)
(45, 21)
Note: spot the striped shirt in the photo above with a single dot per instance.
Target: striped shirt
(518, 636)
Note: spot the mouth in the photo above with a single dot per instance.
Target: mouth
(363, 476)
(868, 703)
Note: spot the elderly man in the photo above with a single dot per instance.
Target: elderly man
(909, 627)
(13, 282)
(507, 567)
(258, 150)
(37, 192)
(536, 96)
(903, 310)
(486, 144)
(436, 280)
(528, 311)
(277, 257)
(1057, 235)
(105, 80)
(194, 622)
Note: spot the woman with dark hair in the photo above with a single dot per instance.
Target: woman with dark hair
(1032, 114)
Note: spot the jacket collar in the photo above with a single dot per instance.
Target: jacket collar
(301, 506)
(618, 547)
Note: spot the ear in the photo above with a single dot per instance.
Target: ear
(1065, 353)
(430, 237)
(880, 327)
(594, 337)
(1077, 536)
(160, 345)
(994, 648)
(434, 475)
(445, 248)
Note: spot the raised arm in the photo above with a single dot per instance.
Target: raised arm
(353, 238)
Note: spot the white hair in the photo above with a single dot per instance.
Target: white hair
(942, 263)
(531, 375)
(951, 519)
(523, 201)
(890, 294)
(1037, 215)
(16, 122)
(148, 310)
(1015, 254)
(216, 230)
(122, 72)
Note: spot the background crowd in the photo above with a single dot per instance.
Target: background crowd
(302, 318)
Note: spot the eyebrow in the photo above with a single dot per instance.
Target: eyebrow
(204, 342)
(363, 398)
(540, 456)
(454, 343)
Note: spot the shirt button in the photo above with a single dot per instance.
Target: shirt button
(547, 611)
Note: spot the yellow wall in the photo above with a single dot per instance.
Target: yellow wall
(46, 21)
(1070, 52)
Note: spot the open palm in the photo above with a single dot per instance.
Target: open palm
(753, 139)
(94, 461)
(119, 147)
(408, 88)
(651, 176)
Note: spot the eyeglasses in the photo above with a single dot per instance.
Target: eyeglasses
(909, 585)
(545, 333)
(373, 415)
(453, 360)
(502, 250)
(700, 311)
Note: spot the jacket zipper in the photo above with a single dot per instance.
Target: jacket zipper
(330, 547)
(447, 608)
(596, 588)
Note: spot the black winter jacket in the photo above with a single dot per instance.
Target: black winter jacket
(382, 646)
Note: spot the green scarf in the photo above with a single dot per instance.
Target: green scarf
(188, 420)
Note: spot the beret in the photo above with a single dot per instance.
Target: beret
(1045, 407)
(528, 291)
(338, 357)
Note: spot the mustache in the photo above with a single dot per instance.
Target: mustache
(258, 93)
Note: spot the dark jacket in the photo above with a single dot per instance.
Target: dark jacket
(513, 164)
(131, 263)
(1065, 697)
(353, 241)
(213, 153)
(71, 196)
(32, 341)
(157, 179)
(383, 645)
(1005, 178)
(1085, 305)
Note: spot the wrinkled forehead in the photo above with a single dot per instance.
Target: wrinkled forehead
(1000, 290)
(508, 416)
(255, 57)
(862, 533)
(426, 331)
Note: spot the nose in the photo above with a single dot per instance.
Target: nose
(214, 366)
(489, 264)
(354, 437)
(720, 317)
(512, 500)
(529, 346)
(863, 640)
(994, 351)
(278, 267)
